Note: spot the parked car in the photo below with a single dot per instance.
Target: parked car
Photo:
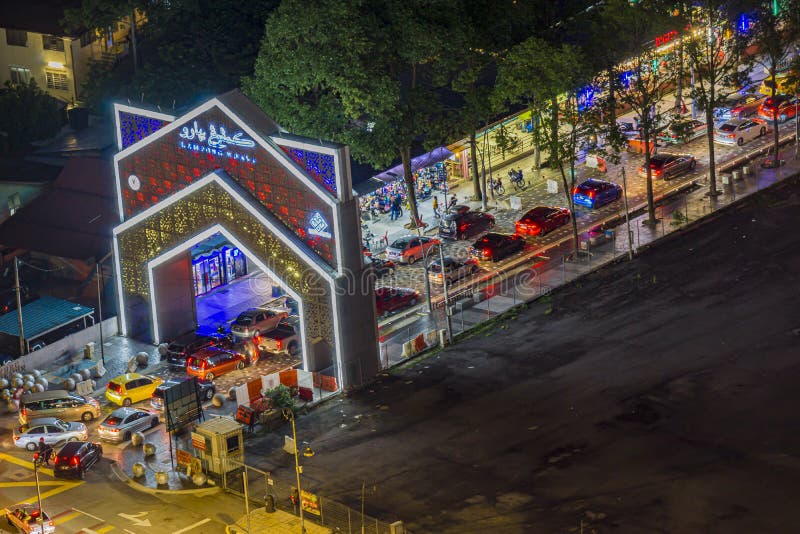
(739, 131)
(380, 266)
(210, 363)
(410, 248)
(462, 223)
(683, 131)
(666, 166)
(25, 518)
(75, 458)
(205, 390)
(781, 107)
(130, 388)
(495, 247)
(451, 270)
(541, 220)
(179, 350)
(252, 322)
(123, 422)
(391, 299)
(283, 338)
(57, 403)
(594, 193)
(739, 106)
(53, 430)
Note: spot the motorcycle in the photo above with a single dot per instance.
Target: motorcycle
(517, 180)
(497, 186)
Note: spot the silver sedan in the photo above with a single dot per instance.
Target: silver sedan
(123, 422)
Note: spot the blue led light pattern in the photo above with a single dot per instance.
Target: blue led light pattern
(133, 128)
(321, 167)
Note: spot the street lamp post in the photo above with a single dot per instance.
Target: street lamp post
(100, 309)
(449, 320)
(289, 414)
(37, 460)
(627, 215)
(19, 308)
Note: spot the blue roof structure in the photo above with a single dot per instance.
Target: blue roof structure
(42, 316)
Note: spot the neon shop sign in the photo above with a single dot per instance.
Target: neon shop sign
(215, 141)
(318, 226)
(666, 38)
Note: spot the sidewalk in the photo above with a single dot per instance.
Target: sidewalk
(277, 522)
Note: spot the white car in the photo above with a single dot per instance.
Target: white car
(739, 131)
(25, 517)
(53, 430)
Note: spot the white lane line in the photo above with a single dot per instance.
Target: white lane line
(90, 515)
(190, 527)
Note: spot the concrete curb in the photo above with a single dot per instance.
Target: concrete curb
(123, 477)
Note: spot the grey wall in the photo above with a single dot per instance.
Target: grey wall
(174, 296)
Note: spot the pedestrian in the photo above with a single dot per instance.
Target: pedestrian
(295, 498)
(44, 451)
(436, 206)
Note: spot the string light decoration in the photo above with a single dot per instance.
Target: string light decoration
(165, 169)
(321, 167)
(133, 128)
(177, 223)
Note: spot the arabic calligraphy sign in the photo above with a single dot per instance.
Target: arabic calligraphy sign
(215, 140)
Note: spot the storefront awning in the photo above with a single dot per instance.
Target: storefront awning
(420, 162)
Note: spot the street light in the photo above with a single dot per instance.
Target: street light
(37, 461)
(289, 414)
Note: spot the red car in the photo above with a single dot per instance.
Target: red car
(541, 220)
(781, 107)
(391, 299)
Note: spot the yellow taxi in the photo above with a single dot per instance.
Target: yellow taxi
(126, 389)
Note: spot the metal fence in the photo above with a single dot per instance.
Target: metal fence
(258, 485)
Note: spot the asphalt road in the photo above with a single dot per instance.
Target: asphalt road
(656, 395)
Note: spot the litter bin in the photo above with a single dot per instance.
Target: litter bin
(269, 503)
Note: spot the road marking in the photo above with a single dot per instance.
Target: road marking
(134, 518)
(66, 486)
(90, 515)
(24, 463)
(105, 529)
(190, 527)
(64, 519)
(31, 484)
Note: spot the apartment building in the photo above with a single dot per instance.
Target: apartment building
(34, 45)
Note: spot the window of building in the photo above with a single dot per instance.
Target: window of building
(20, 75)
(57, 80)
(87, 38)
(52, 42)
(16, 37)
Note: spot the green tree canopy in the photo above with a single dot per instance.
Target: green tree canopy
(27, 114)
(373, 74)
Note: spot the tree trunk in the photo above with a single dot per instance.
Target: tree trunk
(612, 99)
(408, 178)
(134, 47)
(679, 84)
(651, 206)
(537, 152)
(776, 162)
(473, 165)
(712, 170)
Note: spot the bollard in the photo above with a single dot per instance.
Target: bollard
(162, 478)
(218, 400)
(149, 449)
(199, 479)
(138, 470)
(141, 359)
(137, 439)
(269, 503)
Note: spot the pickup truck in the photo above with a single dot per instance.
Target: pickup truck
(25, 518)
(283, 338)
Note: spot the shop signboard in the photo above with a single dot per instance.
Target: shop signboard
(183, 457)
(182, 404)
(309, 502)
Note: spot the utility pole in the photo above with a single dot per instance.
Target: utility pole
(363, 495)
(289, 414)
(19, 309)
(37, 461)
(100, 309)
(627, 215)
(446, 299)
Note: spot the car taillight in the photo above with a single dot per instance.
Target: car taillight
(574, 190)
(731, 136)
(487, 253)
(656, 171)
(114, 429)
(74, 460)
(51, 524)
(591, 195)
(204, 364)
(279, 343)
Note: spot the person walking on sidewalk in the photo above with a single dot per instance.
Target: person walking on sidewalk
(436, 206)
(295, 498)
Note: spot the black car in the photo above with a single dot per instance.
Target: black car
(495, 247)
(462, 223)
(76, 457)
(205, 390)
(380, 266)
(179, 350)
